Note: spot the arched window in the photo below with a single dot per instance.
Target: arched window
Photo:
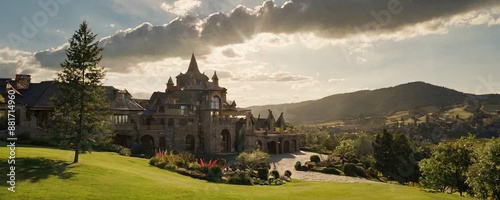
(215, 102)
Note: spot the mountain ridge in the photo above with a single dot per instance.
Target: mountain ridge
(377, 102)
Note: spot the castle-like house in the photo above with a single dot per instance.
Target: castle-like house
(191, 115)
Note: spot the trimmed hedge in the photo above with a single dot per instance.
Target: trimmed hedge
(315, 158)
(350, 169)
(332, 170)
(298, 166)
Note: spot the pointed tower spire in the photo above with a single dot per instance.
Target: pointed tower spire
(193, 66)
(170, 85)
(170, 82)
(215, 79)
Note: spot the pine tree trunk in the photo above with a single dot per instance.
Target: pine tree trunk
(76, 154)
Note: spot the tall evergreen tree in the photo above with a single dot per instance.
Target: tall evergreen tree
(383, 152)
(81, 102)
(395, 157)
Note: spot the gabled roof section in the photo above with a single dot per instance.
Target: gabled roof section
(280, 121)
(193, 65)
(121, 99)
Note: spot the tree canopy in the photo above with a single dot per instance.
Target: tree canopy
(484, 175)
(447, 167)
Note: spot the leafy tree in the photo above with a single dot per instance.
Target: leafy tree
(330, 143)
(81, 99)
(345, 149)
(484, 175)
(448, 165)
(315, 137)
(363, 146)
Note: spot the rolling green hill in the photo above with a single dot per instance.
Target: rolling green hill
(44, 173)
(380, 102)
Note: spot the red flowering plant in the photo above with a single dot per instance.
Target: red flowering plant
(205, 166)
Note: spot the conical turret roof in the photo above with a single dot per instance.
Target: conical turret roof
(193, 65)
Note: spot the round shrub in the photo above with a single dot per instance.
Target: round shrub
(262, 173)
(360, 171)
(310, 164)
(331, 170)
(288, 173)
(275, 173)
(350, 169)
(315, 158)
(297, 166)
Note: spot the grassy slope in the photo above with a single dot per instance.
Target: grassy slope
(46, 174)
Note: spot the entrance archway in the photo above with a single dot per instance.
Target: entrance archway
(294, 145)
(286, 146)
(271, 147)
(225, 141)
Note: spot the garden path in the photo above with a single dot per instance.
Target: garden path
(283, 162)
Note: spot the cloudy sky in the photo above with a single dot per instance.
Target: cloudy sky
(265, 52)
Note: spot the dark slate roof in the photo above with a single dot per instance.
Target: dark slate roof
(119, 103)
(182, 98)
(39, 94)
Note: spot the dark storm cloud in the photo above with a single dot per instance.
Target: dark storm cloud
(325, 18)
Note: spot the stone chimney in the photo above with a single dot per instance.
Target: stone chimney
(23, 81)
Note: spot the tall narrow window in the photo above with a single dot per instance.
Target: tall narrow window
(215, 102)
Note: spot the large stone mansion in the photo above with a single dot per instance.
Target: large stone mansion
(192, 114)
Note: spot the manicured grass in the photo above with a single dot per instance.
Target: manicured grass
(44, 173)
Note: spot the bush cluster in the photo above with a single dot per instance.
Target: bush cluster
(240, 178)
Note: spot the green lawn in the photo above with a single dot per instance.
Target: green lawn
(44, 173)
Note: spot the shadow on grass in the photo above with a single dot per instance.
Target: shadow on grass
(36, 169)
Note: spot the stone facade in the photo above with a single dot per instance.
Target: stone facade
(191, 115)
